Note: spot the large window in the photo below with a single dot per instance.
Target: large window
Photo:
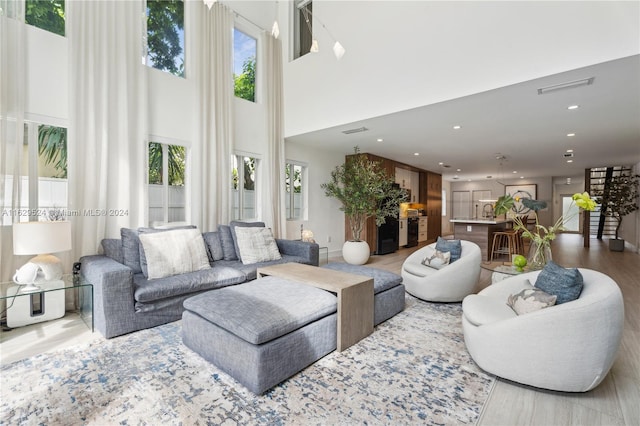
(46, 14)
(244, 175)
(167, 195)
(244, 65)
(43, 180)
(165, 36)
(303, 27)
(295, 177)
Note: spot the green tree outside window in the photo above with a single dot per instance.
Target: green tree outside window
(46, 14)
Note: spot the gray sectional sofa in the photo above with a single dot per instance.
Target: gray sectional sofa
(124, 300)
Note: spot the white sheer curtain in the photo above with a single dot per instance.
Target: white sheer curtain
(213, 68)
(12, 102)
(108, 123)
(274, 203)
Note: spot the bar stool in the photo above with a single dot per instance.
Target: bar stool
(505, 243)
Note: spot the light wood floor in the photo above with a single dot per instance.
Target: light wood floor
(616, 401)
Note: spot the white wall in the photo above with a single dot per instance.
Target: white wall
(405, 54)
(325, 219)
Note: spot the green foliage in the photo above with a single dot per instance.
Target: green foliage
(619, 198)
(296, 182)
(245, 83)
(52, 145)
(164, 19)
(365, 190)
(503, 205)
(46, 14)
(249, 169)
(176, 164)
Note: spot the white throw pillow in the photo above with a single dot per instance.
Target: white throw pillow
(530, 300)
(256, 245)
(174, 252)
(436, 259)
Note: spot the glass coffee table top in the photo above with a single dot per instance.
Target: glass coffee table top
(502, 267)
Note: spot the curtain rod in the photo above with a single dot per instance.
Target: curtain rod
(249, 21)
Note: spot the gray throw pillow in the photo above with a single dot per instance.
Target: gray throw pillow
(233, 224)
(228, 248)
(452, 246)
(112, 247)
(131, 249)
(214, 246)
(563, 282)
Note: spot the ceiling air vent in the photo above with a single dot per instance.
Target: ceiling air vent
(358, 130)
(567, 85)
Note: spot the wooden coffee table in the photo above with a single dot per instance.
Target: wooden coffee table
(355, 296)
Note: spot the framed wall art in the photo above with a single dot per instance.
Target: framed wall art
(521, 191)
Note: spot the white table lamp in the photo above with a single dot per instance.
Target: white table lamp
(41, 238)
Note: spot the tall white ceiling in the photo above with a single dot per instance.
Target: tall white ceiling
(414, 69)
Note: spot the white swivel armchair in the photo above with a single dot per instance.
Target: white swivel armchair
(449, 284)
(568, 347)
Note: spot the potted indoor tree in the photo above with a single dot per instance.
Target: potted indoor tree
(365, 190)
(618, 199)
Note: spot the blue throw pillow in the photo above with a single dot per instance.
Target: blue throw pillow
(562, 282)
(452, 246)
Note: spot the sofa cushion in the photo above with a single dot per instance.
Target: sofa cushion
(174, 252)
(237, 224)
(112, 247)
(252, 269)
(530, 300)
(228, 248)
(214, 246)
(382, 280)
(452, 246)
(418, 269)
(256, 245)
(480, 310)
(277, 307)
(566, 283)
(146, 290)
(131, 249)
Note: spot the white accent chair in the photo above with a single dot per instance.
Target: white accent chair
(568, 347)
(449, 284)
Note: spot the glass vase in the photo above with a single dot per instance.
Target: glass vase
(539, 254)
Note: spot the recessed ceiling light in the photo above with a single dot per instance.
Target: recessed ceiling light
(573, 107)
(416, 153)
(458, 170)
(440, 163)
(515, 171)
(569, 161)
(521, 177)
(569, 150)
(380, 139)
(571, 135)
(456, 127)
(456, 177)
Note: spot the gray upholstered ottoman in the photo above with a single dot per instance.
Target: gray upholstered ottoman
(388, 290)
(261, 332)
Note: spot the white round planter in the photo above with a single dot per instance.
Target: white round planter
(355, 252)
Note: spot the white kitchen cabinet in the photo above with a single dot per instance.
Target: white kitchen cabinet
(402, 240)
(409, 180)
(403, 178)
(422, 229)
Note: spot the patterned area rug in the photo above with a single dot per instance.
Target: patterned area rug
(414, 368)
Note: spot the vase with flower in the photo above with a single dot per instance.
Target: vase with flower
(540, 236)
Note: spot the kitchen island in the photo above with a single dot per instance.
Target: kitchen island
(480, 231)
